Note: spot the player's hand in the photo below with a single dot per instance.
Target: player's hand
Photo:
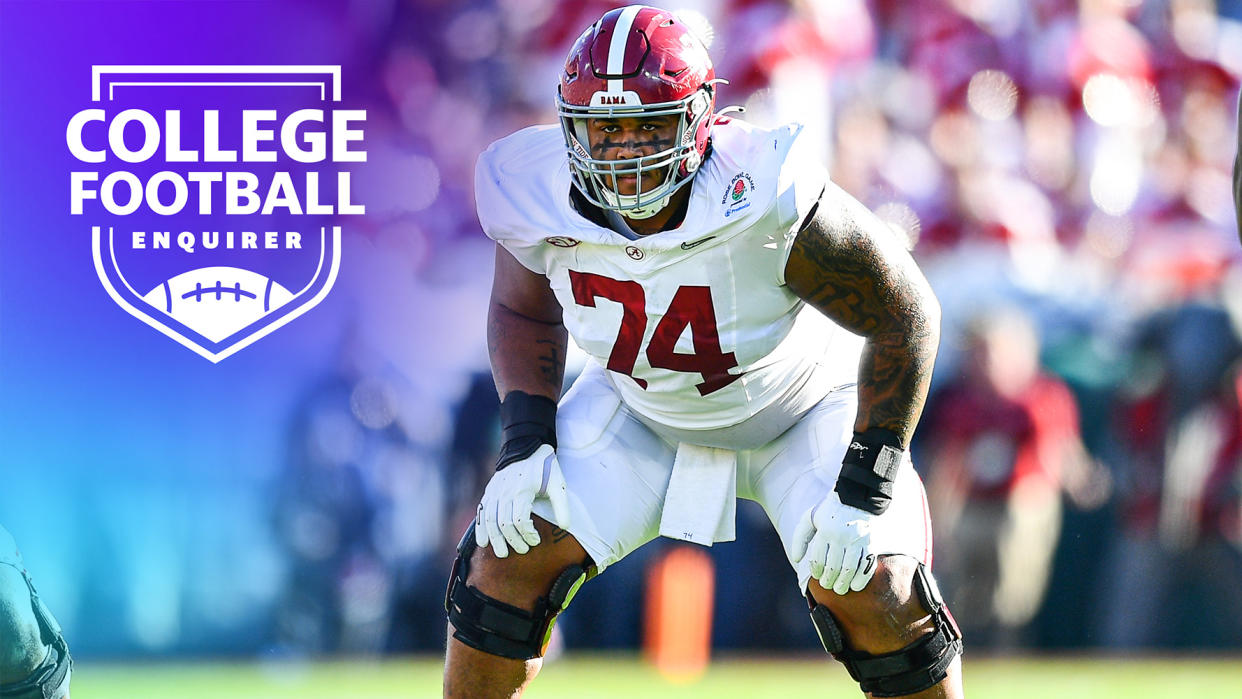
(836, 539)
(504, 515)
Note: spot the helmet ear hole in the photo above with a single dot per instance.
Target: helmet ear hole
(698, 105)
(693, 161)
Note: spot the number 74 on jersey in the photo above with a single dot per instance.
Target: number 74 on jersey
(691, 307)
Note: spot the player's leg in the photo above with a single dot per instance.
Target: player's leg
(503, 608)
(21, 650)
(34, 659)
(1025, 549)
(616, 471)
(895, 636)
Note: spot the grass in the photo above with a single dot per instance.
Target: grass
(604, 676)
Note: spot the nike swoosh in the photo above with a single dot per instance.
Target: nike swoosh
(695, 244)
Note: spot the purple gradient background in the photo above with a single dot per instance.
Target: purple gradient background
(119, 448)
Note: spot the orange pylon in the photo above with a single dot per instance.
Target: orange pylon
(678, 633)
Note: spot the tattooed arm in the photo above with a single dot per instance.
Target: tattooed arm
(526, 342)
(525, 337)
(854, 269)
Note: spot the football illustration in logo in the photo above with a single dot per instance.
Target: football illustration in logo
(219, 309)
(218, 301)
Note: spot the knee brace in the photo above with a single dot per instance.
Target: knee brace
(917, 667)
(495, 627)
(50, 680)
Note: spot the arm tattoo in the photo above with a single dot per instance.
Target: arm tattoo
(526, 353)
(551, 361)
(847, 264)
(558, 535)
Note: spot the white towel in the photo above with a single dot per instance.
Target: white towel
(701, 499)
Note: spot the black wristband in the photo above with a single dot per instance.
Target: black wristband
(527, 422)
(869, 469)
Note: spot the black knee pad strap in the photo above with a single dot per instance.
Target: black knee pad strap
(917, 667)
(826, 627)
(50, 680)
(495, 627)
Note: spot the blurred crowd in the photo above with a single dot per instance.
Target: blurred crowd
(1061, 169)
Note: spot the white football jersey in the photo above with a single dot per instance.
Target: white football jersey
(695, 324)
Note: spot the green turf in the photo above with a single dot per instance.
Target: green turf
(587, 677)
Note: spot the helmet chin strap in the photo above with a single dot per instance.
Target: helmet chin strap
(641, 212)
(624, 203)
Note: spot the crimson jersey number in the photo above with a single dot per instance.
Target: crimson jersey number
(691, 306)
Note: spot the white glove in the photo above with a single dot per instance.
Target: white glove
(504, 513)
(836, 539)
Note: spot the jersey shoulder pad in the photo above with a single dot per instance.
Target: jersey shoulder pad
(521, 187)
(784, 168)
(803, 176)
(782, 165)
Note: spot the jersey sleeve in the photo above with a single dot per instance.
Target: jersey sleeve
(506, 209)
(800, 184)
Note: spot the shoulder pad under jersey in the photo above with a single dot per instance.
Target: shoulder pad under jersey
(773, 176)
(522, 195)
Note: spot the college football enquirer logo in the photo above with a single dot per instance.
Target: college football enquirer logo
(212, 193)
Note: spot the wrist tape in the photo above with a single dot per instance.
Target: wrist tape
(869, 469)
(527, 422)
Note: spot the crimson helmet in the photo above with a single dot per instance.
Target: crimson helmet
(636, 61)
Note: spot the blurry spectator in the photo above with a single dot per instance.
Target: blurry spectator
(323, 519)
(1176, 561)
(358, 504)
(1003, 441)
(1237, 173)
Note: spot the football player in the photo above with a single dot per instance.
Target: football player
(756, 332)
(34, 659)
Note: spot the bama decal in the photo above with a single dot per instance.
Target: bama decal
(214, 194)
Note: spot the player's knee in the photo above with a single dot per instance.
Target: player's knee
(885, 615)
(896, 636)
(21, 644)
(520, 579)
(506, 606)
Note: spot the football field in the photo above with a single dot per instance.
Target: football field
(605, 676)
